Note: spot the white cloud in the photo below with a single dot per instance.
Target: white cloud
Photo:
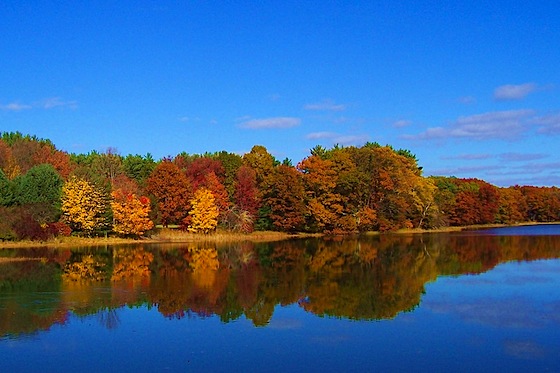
(351, 139)
(189, 119)
(467, 100)
(321, 135)
(336, 138)
(325, 105)
(53, 102)
(468, 157)
(14, 106)
(514, 92)
(548, 124)
(277, 122)
(521, 157)
(453, 171)
(402, 123)
(47, 103)
(504, 125)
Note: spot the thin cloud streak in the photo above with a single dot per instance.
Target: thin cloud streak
(468, 157)
(402, 123)
(277, 122)
(548, 124)
(14, 106)
(320, 135)
(336, 138)
(467, 100)
(46, 104)
(325, 105)
(513, 92)
(502, 125)
(522, 157)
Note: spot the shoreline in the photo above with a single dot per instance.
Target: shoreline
(170, 236)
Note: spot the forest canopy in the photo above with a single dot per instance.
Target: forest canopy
(46, 192)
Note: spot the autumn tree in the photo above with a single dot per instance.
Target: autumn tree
(260, 160)
(130, 213)
(204, 212)
(84, 205)
(286, 199)
(108, 165)
(172, 192)
(230, 163)
(325, 206)
(246, 192)
(543, 204)
(423, 209)
(512, 206)
(8, 163)
(200, 167)
(47, 153)
(19, 153)
(221, 198)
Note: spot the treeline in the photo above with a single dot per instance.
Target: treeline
(45, 191)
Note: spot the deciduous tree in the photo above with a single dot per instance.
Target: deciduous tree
(204, 212)
(83, 205)
(172, 192)
(130, 213)
(286, 199)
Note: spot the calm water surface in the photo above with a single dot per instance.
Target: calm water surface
(476, 301)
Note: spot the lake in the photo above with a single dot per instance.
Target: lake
(472, 301)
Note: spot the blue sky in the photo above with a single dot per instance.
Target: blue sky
(471, 87)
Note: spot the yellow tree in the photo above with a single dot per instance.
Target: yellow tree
(130, 213)
(204, 212)
(83, 205)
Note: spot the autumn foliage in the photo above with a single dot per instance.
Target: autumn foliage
(130, 213)
(335, 191)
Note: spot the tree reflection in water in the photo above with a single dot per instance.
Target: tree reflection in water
(366, 278)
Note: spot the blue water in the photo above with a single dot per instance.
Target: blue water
(525, 230)
(491, 322)
(504, 320)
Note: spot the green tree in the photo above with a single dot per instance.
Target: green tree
(139, 167)
(6, 190)
(41, 184)
(40, 191)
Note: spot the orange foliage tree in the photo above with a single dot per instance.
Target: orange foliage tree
(286, 199)
(130, 213)
(325, 207)
(204, 212)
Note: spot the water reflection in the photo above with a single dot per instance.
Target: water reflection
(366, 279)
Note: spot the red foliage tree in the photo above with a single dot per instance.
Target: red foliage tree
(172, 192)
(199, 168)
(221, 199)
(246, 191)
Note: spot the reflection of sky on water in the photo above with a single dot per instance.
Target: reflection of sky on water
(503, 297)
(527, 230)
(506, 306)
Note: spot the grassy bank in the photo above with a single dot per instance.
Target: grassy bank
(166, 235)
(161, 236)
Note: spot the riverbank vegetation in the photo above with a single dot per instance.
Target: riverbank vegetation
(46, 193)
